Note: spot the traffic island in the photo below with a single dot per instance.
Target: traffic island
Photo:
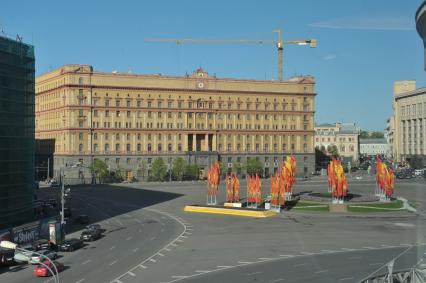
(235, 211)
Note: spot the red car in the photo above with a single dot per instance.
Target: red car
(41, 271)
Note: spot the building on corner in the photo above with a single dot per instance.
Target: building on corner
(124, 118)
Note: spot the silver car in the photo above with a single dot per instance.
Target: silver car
(35, 258)
(22, 256)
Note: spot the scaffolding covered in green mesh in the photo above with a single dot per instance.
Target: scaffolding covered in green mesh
(17, 141)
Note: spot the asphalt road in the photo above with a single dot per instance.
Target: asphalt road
(150, 239)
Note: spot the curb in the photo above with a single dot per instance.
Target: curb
(228, 211)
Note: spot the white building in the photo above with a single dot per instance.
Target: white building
(373, 147)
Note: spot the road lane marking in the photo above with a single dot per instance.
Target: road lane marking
(131, 273)
(388, 246)
(111, 248)
(179, 240)
(188, 233)
(286, 255)
(184, 237)
(321, 271)
(152, 260)
(119, 222)
(349, 250)
(129, 238)
(174, 245)
(266, 258)
(81, 280)
(86, 262)
(160, 254)
(112, 263)
(142, 266)
(328, 251)
(202, 271)
(300, 264)
(167, 249)
(253, 273)
(245, 262)
(346, 278)
(179, 276)
(225, 266)
(306, 253)
(276, 280)
(370, 248)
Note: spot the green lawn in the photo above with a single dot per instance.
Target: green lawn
(377, 207)
(311, 206)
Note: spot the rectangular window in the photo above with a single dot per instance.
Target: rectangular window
(128, 103)
(117, 103)
(117, 113)
(80, 136)
(138, 103)
(128, 114)
(95, 113)
(106, 102)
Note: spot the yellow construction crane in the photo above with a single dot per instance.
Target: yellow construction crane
(279, 44)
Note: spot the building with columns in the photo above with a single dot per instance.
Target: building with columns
(124, 118)
(410, 121)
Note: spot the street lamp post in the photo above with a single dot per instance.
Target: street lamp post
(13, 246)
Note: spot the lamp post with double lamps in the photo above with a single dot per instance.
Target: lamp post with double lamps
(13, 246)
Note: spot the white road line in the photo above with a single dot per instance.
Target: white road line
(86, 262)
(131, 273)
(81, 280)
(202, 271)
(253, 273)
(179, 276)
(306, 253)
(160, 254)
(321, 271)
(166, 249)
(300, 264)
(276, 280)
(119, 222)
(111, 248)
(225, 266)
(179, 240)
(151, 257)
(388, 246)
(370, 248)
(129, 238)
(286, 255)
(112, 263)
(137, 220)
(117, 281)
(349, 250)
(346, 278)
(188, 233)
(174, 245)
(266, 258)
(184, 237)
(328, 251)
(245, 262)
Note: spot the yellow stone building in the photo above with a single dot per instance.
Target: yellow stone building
(124, 118)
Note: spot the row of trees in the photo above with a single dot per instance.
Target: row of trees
(180, 170)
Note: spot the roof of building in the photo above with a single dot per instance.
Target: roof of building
(348, 128)
(418, 91)
(325, 125)
(373, 141)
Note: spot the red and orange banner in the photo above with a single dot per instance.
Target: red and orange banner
(385, 178)
(282, 182)
(337, 182)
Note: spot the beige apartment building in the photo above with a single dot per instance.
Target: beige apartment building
(345, 136)
(125, 118)
(410, 121)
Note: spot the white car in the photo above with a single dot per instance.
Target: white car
(35, 259)
(22, 257)
(418, 172)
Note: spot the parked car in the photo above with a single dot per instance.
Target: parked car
(70, 245)
(22, 256)
(90, 235)
(94, 227)
(41, 244)
(82, 219)
(41, 271)
(35, 259)
(418, 173)
(6, 256)
(53, 184)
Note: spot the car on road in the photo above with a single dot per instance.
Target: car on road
(35, 259)
(71, 245)
(23, 256)
(82, 219)
(6, 256)
(53, 184)
(90, 235)
(94, 227)
(41, 244)
(41, 271)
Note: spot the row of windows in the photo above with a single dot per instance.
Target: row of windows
(413, 110)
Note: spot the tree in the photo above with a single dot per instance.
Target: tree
(178, 168)
(364, 135)
(159, 169)
(377, 135)
(192, 172)
(253, 166)
(99, 169)
(332, 150)
(236, 168)
(143, 166)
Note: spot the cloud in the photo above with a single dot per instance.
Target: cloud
(376, 23)
(329, 57)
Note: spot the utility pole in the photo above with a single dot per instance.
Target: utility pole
(62, 196)
(48, 168)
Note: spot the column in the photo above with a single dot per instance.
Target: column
(206, 142)
(194, 142)
(214, 148)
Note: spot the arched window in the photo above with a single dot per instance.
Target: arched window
(80, 147)
(117, 147)
(80, 80)
(149, 147)
(169, 147)
(128, 147)
(139, 147)
(106, 147)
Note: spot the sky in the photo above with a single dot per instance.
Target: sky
(363, 45)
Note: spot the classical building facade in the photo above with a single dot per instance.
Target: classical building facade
(373, 147)
(342, 135)
(410, 121)
(17, 132)
(389, 136)
(126, 118)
